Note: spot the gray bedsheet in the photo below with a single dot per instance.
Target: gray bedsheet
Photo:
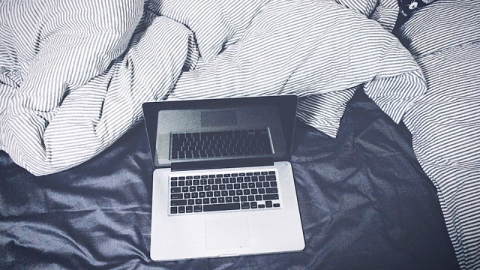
(365, 203)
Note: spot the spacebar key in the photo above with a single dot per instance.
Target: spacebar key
(221, 207)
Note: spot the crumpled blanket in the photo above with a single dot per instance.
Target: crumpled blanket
(73, 75)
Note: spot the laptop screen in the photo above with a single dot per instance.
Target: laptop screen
(220, 131)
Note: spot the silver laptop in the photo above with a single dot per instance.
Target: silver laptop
(223, 184)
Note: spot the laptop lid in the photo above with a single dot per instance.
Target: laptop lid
(270, 117)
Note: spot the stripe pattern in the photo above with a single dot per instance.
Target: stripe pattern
(445, 123)
(73, 113)
(290, 47)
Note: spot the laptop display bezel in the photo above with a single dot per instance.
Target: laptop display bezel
(286, 104)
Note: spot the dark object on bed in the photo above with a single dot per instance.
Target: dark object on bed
(364, 200)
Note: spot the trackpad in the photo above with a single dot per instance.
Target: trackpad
(227, 233)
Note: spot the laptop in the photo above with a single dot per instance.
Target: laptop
(222, 183)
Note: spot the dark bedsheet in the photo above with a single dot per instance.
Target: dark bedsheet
(365, 203)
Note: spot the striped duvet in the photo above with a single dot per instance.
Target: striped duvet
(445, 123)
(73, 74)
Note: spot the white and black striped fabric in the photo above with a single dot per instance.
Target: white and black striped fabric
(445, 123)
(310, 48)
(98, 65)
(66, 90)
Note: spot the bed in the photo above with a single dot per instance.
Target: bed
(384, 159)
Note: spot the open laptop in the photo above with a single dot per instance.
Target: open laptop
(223, 184)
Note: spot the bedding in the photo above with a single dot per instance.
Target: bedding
(364, 203)
(283, 41)
(73, 76)
(445, 123)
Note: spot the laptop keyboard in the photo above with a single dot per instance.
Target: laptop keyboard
(223, 192)
(234, 143)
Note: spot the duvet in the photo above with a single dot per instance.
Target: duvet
(73, 79)
(73, 76)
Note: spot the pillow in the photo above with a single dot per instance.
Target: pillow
(214, 22)
(311, 48)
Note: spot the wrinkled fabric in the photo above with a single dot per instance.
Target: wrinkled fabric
(364, 202)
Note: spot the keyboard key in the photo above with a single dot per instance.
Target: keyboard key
(189, 209)
(213, 200)
(173, 210)
(206, 201)
(251, 198)
(191, 201)
(253, 205)
(261, 206)
(273, 184)
(266, 184)
(268, 204)
(209, 194)
(246, 192)
(193, 188)
(270, 197)
(194, 195)
(236, 199)
(176, 196)
(221, 207)
(198, 201)
(243, 198)
(181, 209)
(176, 190)
(258, 198)
(184, 189)
(245, 205)
(174, 183)
(186, 196)
(178, 202)
(276, 205)
(271, 190)
(238, 192)
(201, 195)
(221, 200)
(197, 208)
(228, 199)
(216, 193)
(224, 193)
(271, 177)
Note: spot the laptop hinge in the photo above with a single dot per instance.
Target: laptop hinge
(220, 164)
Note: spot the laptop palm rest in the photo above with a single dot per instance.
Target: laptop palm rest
(227, 233)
